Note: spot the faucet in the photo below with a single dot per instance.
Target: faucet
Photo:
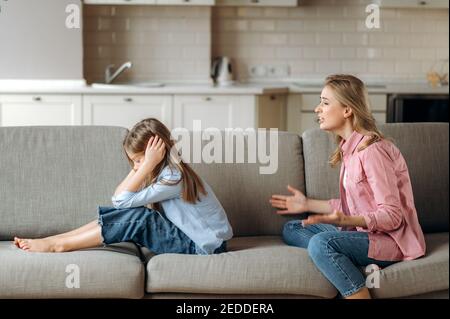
(109, 78)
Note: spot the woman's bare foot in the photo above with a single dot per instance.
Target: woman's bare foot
(38, 245)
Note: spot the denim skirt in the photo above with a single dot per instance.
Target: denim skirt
(145, 227)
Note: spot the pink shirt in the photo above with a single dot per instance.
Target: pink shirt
(378, 188)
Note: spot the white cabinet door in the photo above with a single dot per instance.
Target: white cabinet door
(120, 2)
(46, 109)
(308, 121)
(125, 111)
(268, 3)
(157, 2)
(215, 111)
(186, 2)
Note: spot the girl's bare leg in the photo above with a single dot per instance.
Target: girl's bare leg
(360, 294)
(88, 238)
(69, 233)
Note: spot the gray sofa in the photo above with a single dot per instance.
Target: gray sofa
(52, 179)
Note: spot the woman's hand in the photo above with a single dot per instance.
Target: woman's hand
(155, 152)
(336, 218)
(296, 204)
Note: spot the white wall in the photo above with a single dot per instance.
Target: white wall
(164, 43)
(35, 42)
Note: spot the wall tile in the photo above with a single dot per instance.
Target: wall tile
(314, 39)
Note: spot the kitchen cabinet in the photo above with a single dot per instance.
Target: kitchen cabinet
(243, 3)
(272, 111)
(126, 110)
(301, 115)
(262, 3)
(308, 118)
(378, 104)
(230, 111)
(215, 111)
(154, 2)
(431, 4)
(186, 2)
(120, 2)
(46, 109)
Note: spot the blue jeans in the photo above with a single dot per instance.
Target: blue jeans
(337, 254)
(145, 227)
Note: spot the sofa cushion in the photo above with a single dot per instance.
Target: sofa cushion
(252, 265)
(244, 192)
(111, 272)
(54, 178)
(425, 149)
(420, 276)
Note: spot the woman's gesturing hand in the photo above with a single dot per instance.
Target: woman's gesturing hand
(336, 218)
(295, 204)
(155, 151)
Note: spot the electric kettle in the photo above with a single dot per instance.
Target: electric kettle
(222, 71)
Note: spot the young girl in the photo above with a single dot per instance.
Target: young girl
(376, 214)
(185, 216)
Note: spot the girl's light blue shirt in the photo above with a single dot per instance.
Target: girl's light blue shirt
(204, 222)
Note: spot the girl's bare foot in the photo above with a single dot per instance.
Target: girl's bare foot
(38, 245)
(16, 242)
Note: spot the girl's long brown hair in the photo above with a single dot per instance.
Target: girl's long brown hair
(351, 92)
(135, 142)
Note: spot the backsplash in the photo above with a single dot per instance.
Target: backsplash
(329, 36)
(164, 43)
(304, 43)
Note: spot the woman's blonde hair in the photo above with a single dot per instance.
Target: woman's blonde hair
(135, 142)
(351, 92)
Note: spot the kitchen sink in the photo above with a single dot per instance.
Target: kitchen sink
(127, 85)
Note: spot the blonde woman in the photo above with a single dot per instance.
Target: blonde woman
(374, 221)
(185, 215)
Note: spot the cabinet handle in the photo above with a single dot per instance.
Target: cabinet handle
(128, 99)
(255, 1)
(273, 97)
(37, 98)
(423, 3)
(208, 98)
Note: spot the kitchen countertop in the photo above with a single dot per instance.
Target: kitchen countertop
(260, 88)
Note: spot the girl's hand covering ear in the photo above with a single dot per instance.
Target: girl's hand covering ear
(155, 151)
(295, 204)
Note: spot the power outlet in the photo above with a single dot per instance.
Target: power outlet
(258, 71)
(279, 71)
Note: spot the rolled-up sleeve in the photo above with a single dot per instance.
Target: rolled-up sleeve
(380, 172)
(154, 193)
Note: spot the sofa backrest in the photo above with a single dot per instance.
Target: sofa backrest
(244, 192)
(425, 147)
(53, 178)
